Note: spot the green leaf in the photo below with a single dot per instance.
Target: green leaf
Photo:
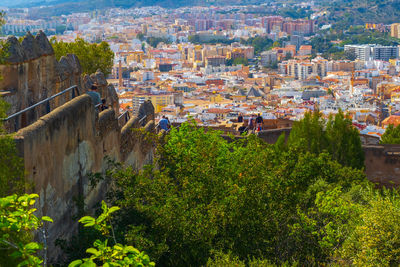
(113, 209)
(32, 246)
(89, 264)
(93, 251)
(75, 263)
(47, 219)
(87, 219)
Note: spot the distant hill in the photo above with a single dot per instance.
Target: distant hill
(116, 3)
(353, 12)
(48, 8)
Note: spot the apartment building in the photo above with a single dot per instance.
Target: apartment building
(373, 52)
(159, 101)
(269, 57)
(395, 30)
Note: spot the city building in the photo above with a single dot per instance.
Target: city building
(395, 30)
(373, 52)
(269, 57)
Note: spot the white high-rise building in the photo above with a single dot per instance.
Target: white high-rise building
(373, 52)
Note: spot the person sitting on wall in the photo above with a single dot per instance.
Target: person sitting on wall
(240, 117)
(96, 99)
(163, 123)
(103, 104)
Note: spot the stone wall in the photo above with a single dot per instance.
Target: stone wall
(32, 73)
(271, 136)
(382, 162)
(61, 148)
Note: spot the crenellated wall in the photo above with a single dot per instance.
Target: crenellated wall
(61, 148)
(32, 73)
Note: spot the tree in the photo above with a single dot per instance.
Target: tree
(11, 166)
(260, 43)
(140, 36)
(349, 55)
(154, 41)
(337, 136)
(17, 248)
(240, 61)
(91, 56)
(375, 238)
(391, 135)
(210, 195)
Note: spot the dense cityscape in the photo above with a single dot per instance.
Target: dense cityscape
(214, 63)
(199, 133)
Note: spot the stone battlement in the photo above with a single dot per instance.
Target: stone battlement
(62, 148)
(32, 73)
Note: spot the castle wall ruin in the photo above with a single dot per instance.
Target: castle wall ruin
(63, 147)
(32, 73)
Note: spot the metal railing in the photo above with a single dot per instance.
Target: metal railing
(124, 118)
(75, 92)
(140, 121)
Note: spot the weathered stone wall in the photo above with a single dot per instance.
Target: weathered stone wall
(271, 136)
(32, 74)
(382, 164)
(63, 147)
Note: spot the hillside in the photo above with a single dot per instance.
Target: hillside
(355, 12)
(90, 4)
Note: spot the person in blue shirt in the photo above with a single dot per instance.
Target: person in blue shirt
(163, 123)
(96, 99)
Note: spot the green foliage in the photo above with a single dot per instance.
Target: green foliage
(237, 61)
(140, 36)
(345, 13)
(391, 135)
(337, 136)
(154, 41)
(11, 166)
(352, 35)
(91, 56)
(17, 222)
(101, 252)
(220, 259)
(210, 195)
(260, 43)
(375, 239)
(293, 12)
(195, 39)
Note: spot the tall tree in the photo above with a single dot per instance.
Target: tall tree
(391, 135)
(210, 195)
(337, 136)
(344, 141)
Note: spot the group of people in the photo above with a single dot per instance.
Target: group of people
(96, 98)
(254, 124)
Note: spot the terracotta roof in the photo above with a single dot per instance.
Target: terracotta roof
(218, 110)
(393, 119)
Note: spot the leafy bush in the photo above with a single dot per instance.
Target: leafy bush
(391, 135)
(208, 194)
(91, 56)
